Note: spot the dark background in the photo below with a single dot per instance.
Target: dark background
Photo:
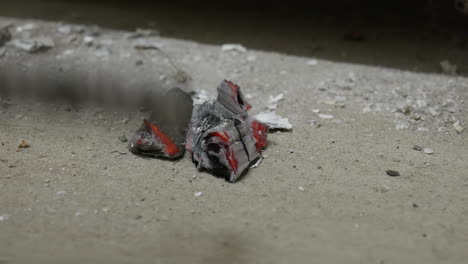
(411, 35)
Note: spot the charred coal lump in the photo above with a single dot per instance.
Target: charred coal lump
(223, 139)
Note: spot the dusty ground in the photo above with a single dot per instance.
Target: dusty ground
(321, 194)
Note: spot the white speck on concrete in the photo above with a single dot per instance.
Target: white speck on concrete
(428, 151)
(251, 58)
(325, 116)
(4, 217)
(312, 62)
(233, 47)
(198, 194)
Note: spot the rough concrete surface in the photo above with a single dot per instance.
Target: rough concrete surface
(321, 194)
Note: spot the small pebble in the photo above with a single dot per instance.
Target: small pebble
(458, 127)
(417, 148)
(392, 173)
(24, 144)
(122, 138)
(300, 188)
(198, 194)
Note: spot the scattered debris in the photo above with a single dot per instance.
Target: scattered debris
(88, 41)
(428, 151)
(417, 148)
(61, 193)
(143, 33)
(23, 144)
(233, 47)
(25, 27)
(34, 45)
(401, 125)
(273, 101)
(164, 134)
(198, 194)
(325, 116)
(122, 138)
(316, 111)
(117, 153)
(392, 173)
(458, 127)
(64, 29)
(274, 121)
(125, 120)
(300, 188)
(415, 205)
(448, 68)
(148, 45)
(407, 110)
(276, 99)
(383, 189)
(251, 58)
(5, 35)
(312, 62)
(315, 123)
(223, 139)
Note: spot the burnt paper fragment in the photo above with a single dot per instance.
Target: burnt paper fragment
(163, 134)
(222, 137)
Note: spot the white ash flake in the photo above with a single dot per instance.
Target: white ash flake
(273, 120)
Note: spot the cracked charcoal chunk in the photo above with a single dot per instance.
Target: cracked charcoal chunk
(222, 138)
(163, 135)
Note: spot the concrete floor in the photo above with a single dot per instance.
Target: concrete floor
(321, 194)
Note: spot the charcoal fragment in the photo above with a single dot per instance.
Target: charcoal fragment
(163, 134)
(223, 139)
